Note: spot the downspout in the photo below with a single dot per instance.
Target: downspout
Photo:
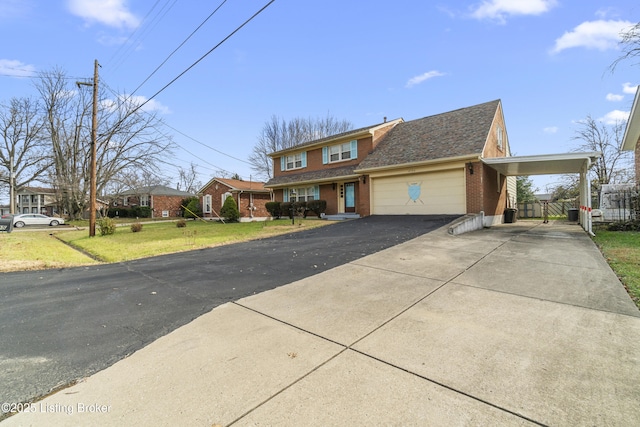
(239, 197)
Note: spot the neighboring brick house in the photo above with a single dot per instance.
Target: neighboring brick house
(250, 197)
(165, 202)
(631, 139)
(426, 166)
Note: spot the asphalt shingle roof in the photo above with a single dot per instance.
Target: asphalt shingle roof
(157, 190)
(318, 175)
(328, 138)
(456, 133)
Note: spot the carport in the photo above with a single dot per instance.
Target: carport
(552, 164)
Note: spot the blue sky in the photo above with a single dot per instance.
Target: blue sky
(547, 60)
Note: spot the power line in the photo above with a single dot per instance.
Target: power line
(179, 46)
(156, 19)
(207, 54)
(186, 136)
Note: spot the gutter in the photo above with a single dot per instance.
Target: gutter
(420, 163)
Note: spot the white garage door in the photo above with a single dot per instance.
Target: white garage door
(421, 194)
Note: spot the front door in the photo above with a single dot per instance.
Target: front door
(350, 197)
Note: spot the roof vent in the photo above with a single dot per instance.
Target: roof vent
(385, 119)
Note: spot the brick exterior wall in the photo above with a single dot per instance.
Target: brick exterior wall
(637, 156)
(216, 190)
(314, 159)
(166, 203)
(363, 197)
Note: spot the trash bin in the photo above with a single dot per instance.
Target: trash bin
(510, 215)
(6, 224)
(572, 214)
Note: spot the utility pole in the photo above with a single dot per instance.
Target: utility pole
(12, 185)
(94, 137)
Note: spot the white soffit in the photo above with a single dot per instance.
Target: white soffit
(545, 164)
(632, 131)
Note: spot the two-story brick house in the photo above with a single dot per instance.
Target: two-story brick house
(431, 165)
(250, 197)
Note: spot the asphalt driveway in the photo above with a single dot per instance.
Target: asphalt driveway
(57, 326)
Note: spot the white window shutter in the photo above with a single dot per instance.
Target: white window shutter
(282, 163)
(354, 149)
(303, 157)
(325, 155)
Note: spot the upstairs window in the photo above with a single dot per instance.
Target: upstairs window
(293, 161)
(340, 152)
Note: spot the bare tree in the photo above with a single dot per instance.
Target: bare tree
(630, 44)
(188, 179)
(614, 164)
(128, 139)
(278, 134)
(23, 157)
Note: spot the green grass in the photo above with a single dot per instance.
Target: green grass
(163, 238)
(622, 251)
(34, 250)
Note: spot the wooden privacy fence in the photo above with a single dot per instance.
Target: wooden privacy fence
(535, 209)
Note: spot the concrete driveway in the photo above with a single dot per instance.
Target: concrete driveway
(57, 326)
(521, 324)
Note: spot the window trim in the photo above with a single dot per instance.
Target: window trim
(350, 147)
(302, 161)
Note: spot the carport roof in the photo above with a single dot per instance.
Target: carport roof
(544, 164)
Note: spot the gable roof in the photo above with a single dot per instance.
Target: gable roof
(238, 185)
(36, 190)
(351, 134)
(157, 190)
(457, 133)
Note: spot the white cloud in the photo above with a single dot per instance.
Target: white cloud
(550, 129)
(614, 97)
(628, 88)
(15, 68)
(615, 117)
(113, 13)
(499, 10)
(423, 77)
(601, 35)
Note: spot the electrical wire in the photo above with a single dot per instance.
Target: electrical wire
(154, 22)
(208, 53)
(179, 46)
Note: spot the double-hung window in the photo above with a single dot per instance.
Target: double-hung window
(340, 152)
(144, 200)
(293, 161)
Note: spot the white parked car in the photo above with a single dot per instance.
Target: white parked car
(35, 219)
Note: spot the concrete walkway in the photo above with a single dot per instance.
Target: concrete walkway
(520, 324)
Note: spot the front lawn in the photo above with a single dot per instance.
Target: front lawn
(165, 237)
(35, 250)
(622, 251)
